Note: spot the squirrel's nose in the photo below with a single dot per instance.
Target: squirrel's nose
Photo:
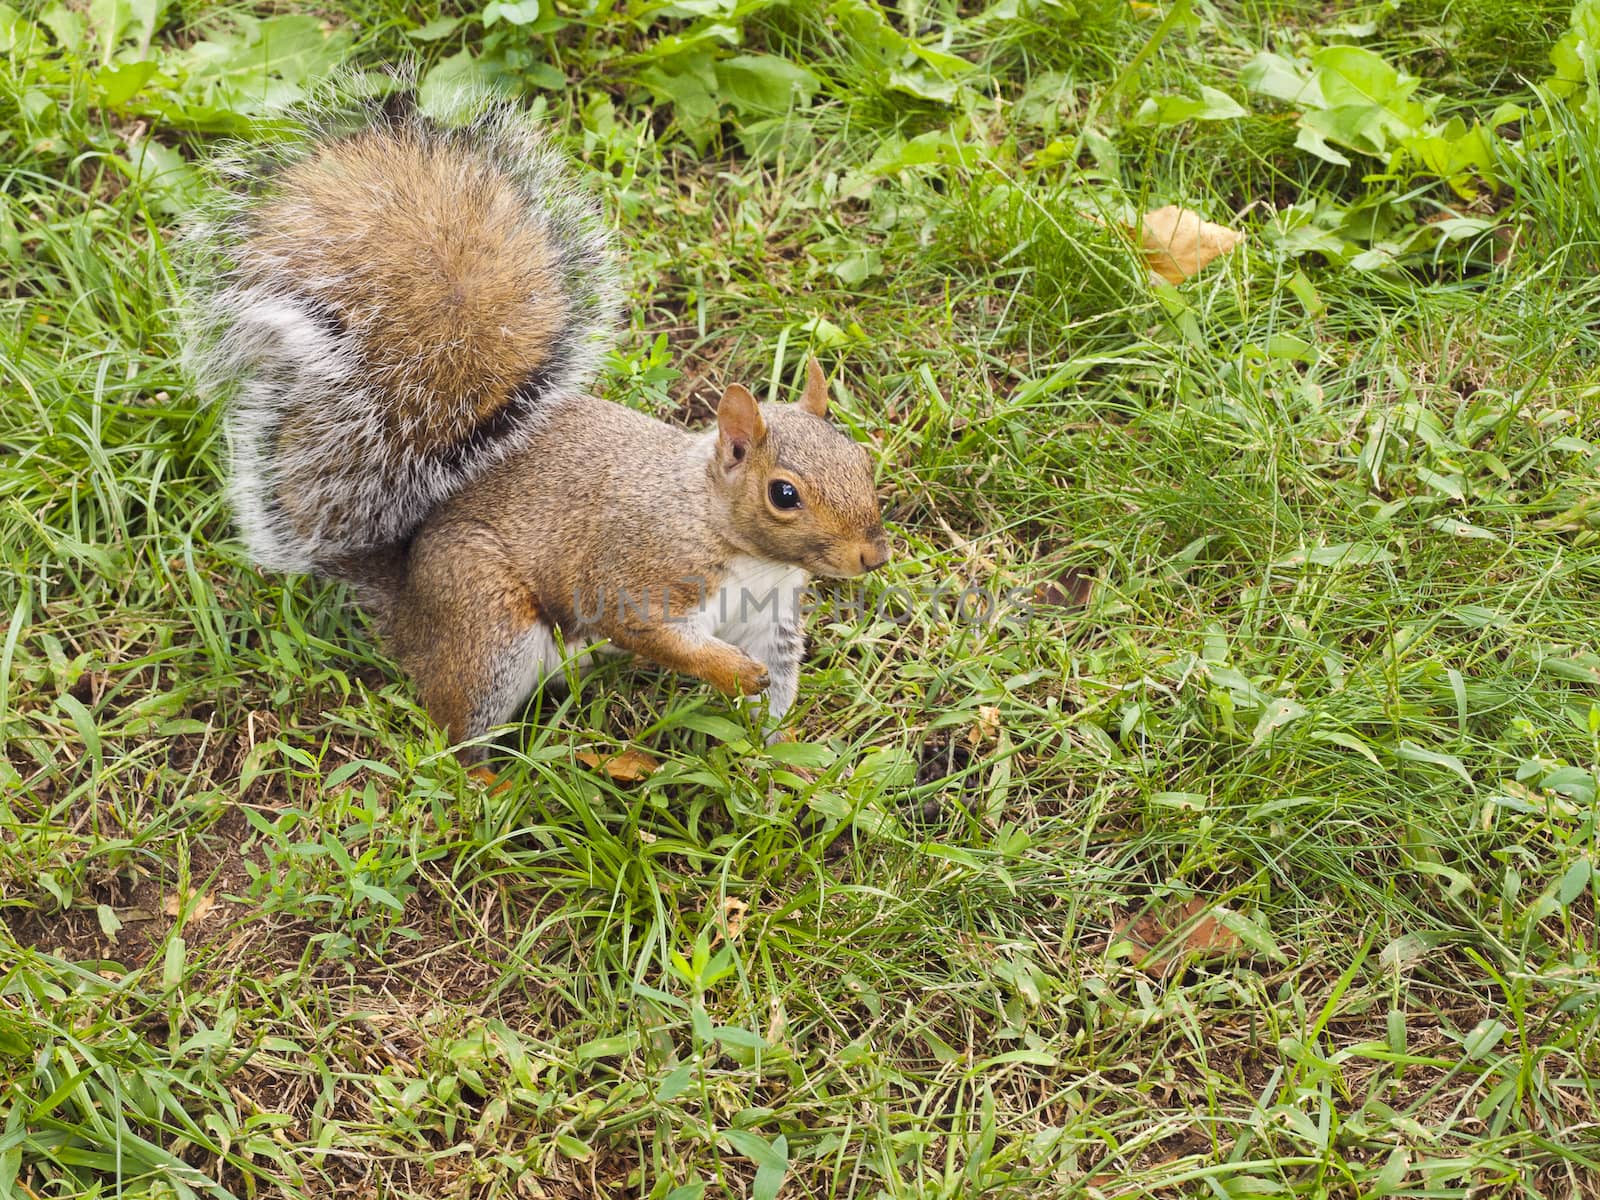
(874, 554)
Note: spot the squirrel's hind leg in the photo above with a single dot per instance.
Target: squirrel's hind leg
(469, 632)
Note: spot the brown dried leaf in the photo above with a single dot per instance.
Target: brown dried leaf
(1203, 936)
(1507, 249)
(729, 923)
(489, 779)
(194, 909)
(1073, 590)
(733, 914)
(1178, 242)
(987, 726)
(630, 766)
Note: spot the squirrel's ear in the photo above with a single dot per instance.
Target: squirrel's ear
(814, 399)
(739, 425)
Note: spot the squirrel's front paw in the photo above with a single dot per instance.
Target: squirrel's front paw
(744, 676)
(753, 677)
(731, 671)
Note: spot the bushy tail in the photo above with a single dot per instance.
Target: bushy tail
(388, 306)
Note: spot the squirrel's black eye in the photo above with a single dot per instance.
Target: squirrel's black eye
(783, 494)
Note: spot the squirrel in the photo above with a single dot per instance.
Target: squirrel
(402, 318)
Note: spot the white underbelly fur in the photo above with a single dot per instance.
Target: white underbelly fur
(756, 598)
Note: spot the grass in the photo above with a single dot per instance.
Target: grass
(1256, 858)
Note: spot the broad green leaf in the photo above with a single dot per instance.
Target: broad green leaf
(172, 964)
(1032, 1058)
(1042, 103)
(1275, 716)
(440, 92)
(689, 9)
(115, 86)
(1313, 142)
(900, 63)
(1575, 882)
(1286, 347)
(1353, 75)
(18, 35)
(925, 84)
(1342, 554)
(544, 75)
(937, 147)
(1252, 931)
(755, 1147)
(1576, 783)
(675, 1084)
(379, 895)
(1398, 954)
(1378, 258)
(1348, 741)
(1454, 151)
(67, 25)
(434, 30)
(688, 83)
(771, 1159)
(114, 20)
(260, 65)
(765, 83)
(1574, 54)
(732, 1035)
(1211, 105)
(512, 12)
(699, 40)
(38, 105)
(1365, 128)
(1393, 1175)
(812, 755)
(883, 767)
(769, 1177)
(606, 1047)
(1410, 752)
(83, 720)
(574, 1149)
(855, 269)
(1483, 1038)
(1276, 76)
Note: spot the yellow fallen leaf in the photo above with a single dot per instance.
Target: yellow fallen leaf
(1178, 242)
(628, 767)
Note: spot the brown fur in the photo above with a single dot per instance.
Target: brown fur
(403, 317)
(606, 498)
(462, 604)
(426, 248)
